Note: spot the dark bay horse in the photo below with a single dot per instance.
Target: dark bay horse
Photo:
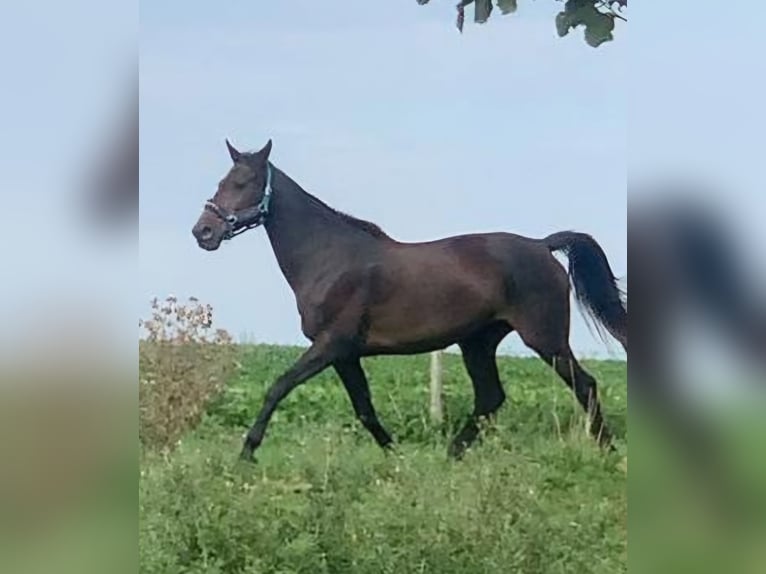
(361, 293)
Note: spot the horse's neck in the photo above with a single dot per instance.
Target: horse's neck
(308, 239)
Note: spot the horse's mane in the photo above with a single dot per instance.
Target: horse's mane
(360, 224)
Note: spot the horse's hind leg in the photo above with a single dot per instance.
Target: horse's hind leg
(577, 378)
(479, 359)
(584, 386)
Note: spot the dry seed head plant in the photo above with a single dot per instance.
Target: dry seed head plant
(184, 363)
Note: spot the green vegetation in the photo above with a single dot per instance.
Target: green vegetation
(597, 17)
(536, 496)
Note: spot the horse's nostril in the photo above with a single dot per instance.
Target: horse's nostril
(206, 232)
(203, 232)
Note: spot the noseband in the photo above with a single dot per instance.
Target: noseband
(248, 218)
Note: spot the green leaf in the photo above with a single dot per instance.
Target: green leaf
(563, 23)
(599, 30)
(598, 26)
(506, 6)
(482, 11)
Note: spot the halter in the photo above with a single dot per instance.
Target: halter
(248, 218)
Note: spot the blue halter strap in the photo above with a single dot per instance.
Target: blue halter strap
(249, 218)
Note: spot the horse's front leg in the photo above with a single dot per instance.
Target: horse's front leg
(320, 355)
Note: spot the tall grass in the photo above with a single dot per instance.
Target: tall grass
(534, 496)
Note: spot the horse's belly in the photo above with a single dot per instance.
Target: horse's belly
(428, 321)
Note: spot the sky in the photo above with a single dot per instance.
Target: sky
(695, 115)
(389, 115)
(67, 71)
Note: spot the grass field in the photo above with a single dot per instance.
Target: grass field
(536, 496)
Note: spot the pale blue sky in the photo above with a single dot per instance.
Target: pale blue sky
(408, 119)
(67, 71)
(695, 110)
(390, 115)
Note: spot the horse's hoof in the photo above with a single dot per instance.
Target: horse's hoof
(455, 451)
(606, 442)
(607, 446)
(247, 455)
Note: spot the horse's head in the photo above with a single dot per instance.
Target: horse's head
(241, 201)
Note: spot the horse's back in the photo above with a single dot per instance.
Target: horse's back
(499, 254)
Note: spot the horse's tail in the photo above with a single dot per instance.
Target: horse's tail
(594, 284)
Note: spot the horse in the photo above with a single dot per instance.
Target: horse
(361, 293)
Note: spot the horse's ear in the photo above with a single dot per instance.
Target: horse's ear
(235, 155)
(263, 154)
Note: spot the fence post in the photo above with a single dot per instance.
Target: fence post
(436, 407)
